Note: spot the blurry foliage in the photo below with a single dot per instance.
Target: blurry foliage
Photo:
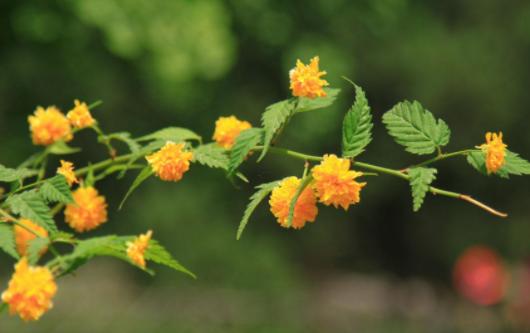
(183, 63)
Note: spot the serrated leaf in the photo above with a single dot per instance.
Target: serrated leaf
(308, 104)
(56, 189)
(357, 126)
(61, 148)
(35, 247)
(245, 142)
(420, 180)
(7, 240)
(175, 134)
(513, 165)
(415, 128)
(262, 191)
(9, 175)
(32, 206)
(274, 117)
(126, 138)
(303, 184)
(158, 254)
(211, 155)
(142, 176)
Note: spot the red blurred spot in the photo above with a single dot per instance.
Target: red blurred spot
(479, 275)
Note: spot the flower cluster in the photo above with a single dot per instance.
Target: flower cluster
(50, 125)
(67, 170)
(333, 184)
(306, 81)
(227, 129)
(88, 211)
(80, 116)
(136, 249)
(30, 291)
(170, 162)
(495, 151)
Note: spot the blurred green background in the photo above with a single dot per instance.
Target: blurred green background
(377, 267)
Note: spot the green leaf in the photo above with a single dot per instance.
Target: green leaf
(514, 164)
(274, 117)
(309, 104)
(7, 240)
(61, 148)
(245, 142)
(56, 189)
(175, 134)
(126, 138)
(142, 176)
(9, 175)
(303, 184)
(420, 181)
(158, 254)
(357, 126)
(32, 206)
(35, 247)
(211, 155)
(415, 128)
(262, 191)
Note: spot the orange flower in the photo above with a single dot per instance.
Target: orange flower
(136, 248)
(170, 162)
(335, 183)
(48, 126)
(227, 129)
(280, 201)
(495, 151)
(30, 291)
(23, 236)
(80, 116)
(67, 170)
(88, 211)
(306, 81)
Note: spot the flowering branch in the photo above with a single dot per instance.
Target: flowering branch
(168, 154)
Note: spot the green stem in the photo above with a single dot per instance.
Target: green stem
(443, 157)
(95, 104)
(103, 164)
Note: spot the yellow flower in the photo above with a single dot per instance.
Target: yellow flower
(306, 81)
(280, 200)
(30, 291)
(495, 151)
(80, 116)
(48, 126)
(136, 248)
(24, 236)
(227, 129)
(170, 162)
(67, 170)
(335, 183)
(88, 211)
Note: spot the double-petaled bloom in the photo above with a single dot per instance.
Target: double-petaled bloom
(495, 151)
(306, 81)
(88, 211)
(80, 116)
(30, 291)
(170, 162)
(48, 126)
(227, 129)
(67, 170)
(305, 209)
(335, 183)
(136, 249)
